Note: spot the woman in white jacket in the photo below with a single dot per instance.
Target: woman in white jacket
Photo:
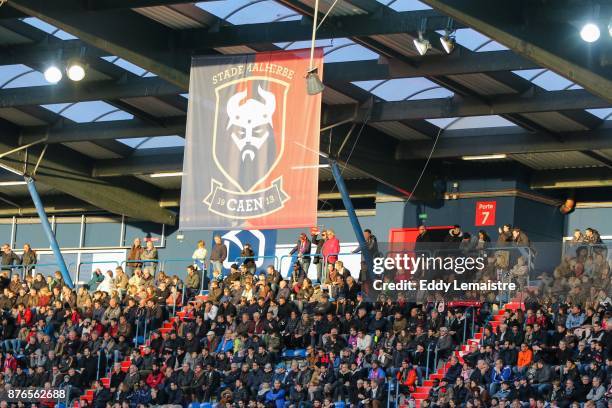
(107, 285)
(199, 256)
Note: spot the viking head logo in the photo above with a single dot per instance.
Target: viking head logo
(251, 121)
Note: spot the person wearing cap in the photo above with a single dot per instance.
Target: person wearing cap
(302, 249)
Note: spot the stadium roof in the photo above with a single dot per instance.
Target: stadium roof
(504, 90)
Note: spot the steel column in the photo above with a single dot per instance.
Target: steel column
(44, 221)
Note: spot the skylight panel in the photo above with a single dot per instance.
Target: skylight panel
(82, 112)
(343, 49)
(297, 45)
(117, 115)
(19, 76)
(33, 78)
(405, 5)
(48, 28)
(161, 141)
(405, 89)
(552, 81)
(547, 79)
(476, 41)
(471, 122)
(133, 142)
(128, 66)
(248, 11)
(602, 113)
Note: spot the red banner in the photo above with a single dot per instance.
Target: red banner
(252, 142)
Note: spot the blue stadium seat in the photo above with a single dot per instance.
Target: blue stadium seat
(339, 404)
(288, 354)
(194, 405)
(206, 405)
(299, 353)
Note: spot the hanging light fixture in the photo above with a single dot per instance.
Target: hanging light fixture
(422, 44)
(448, 39)
(53, 74)
(314, 85)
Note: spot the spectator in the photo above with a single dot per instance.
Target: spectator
(149, 254)
(455, 235)
(218, 255)
(331, 247)
(134, 255)
(199, 256)
(302, 249)
(8, 258)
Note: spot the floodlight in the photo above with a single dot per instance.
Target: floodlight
(75, 70)
(448, 42)
(53, 74)
(590, 32)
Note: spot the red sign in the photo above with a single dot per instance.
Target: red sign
(485, 213)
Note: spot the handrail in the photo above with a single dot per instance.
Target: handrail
(291, 256)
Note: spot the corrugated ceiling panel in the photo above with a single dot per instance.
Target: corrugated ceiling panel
(555, 121)
(556, 160)
(483, 84)
(92, 150)
(239, 49)
(8, 37)
(403, 43)
(348, 173)
(165, 183)
(154, 106)
(169, 17)
(20, 118)
(342, 8)
(333, 97)
(606, 153)
(399, 131)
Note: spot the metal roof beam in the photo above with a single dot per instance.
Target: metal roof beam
(509, 143)
(459, 62)
(116, 129)
(69, 172)
(380, 112)
(458, 106)
(68, 91)
(168, 52)
(382, 22)
(553, 45)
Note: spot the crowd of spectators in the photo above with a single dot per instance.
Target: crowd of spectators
(266, 339)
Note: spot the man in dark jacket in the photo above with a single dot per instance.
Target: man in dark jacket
(218, 254)
(318, 260)
(102, 395)
(8, 258)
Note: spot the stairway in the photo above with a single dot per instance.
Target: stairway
(167, 326)
(421, 393)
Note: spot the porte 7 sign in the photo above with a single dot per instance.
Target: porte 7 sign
(485, 213)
